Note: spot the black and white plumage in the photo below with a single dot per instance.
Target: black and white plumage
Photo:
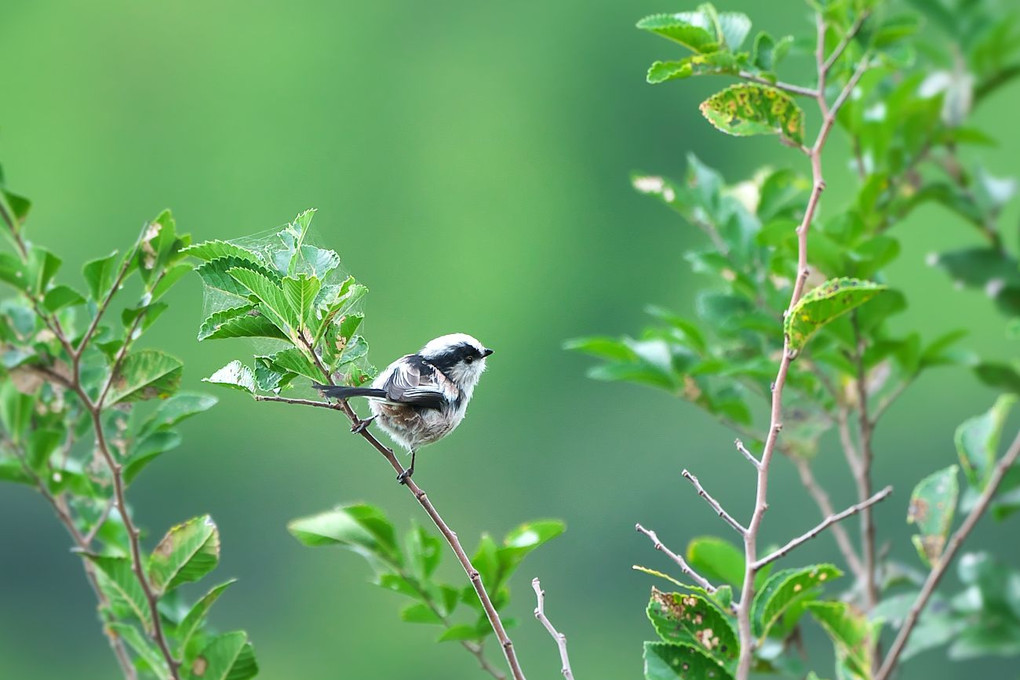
(420, 398)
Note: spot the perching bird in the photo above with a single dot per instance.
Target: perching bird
(420, 398)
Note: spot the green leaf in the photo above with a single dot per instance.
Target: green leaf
(714, 63)
(664, 661)
(227, 657)
(171, 276)
(300, 293)
(783, 590)
(522, 540)
(11, 470)
(424, 552)
(41, 267)
(58, 297)
(15, 411)
(273, 302)
(244, 321)
(146, 450)
(290, 360)
(174, 410)
(821, 305)
(717, 560)
(188, 552)
(932, 505)
(361, 528)
(12, 270)
(1001, 376)
(977, 440)
(143, 647)
(751, 109)
(215, 274)
(461, 631)
(693, 30)
(120, 583)
(41, 445)
(145, 374)
(212, 250)
(234, 375)
(192, 621)
(850, 632)
(100, 275)
(420, 613)
(691, 619)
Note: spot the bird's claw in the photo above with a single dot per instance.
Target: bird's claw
(405, 475)
(361, 425)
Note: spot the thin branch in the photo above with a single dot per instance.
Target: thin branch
(714, 503)
(890, 399)
(826, 523)
(747, 454)
(746, 636)
(561, 639)
(864, 435)
(845, 42)
(779, 85)
(940, 567)
(335, 406)
(451, 536)
(680, 561)
(846, 547)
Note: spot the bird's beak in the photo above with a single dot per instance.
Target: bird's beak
(486, 352)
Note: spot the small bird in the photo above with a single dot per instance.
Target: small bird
(420, 398)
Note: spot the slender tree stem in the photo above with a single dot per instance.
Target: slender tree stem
(746, 636)
(821, 498)
(940, 567)
(680, 561)
(864, 435)
(826, 523)
(746, 454)
(779, 85)
(714, 503)
(561, 639)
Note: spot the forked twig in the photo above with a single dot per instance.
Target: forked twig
(561, 639)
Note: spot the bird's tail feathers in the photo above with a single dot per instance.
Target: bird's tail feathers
(342, 392)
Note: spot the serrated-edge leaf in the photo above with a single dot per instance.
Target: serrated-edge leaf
(300, 292)
(235, 375)
(244, 321)
(666, 661)
(119, 575)
(783, 589)
(690, 29)
(273, 301)
(689, 618)
(187, 553)
(211, 250)
(849, 631)
(145, 374)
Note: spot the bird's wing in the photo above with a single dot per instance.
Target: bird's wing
(415, 382)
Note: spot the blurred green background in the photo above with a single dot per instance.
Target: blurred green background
(470, 162)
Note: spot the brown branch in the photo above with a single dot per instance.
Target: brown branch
(680, 561)
(335, 406)
(714, 503)
(827, 522)
(745, 633)
(940, 567)
(779, 85)
(561, 639)
(863, 475)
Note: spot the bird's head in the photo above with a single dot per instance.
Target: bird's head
(460, 357)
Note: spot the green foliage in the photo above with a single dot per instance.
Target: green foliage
(785, 593)
(294, 297)
(695, 621)
(823, 304)
(752, 109)
(82, 413)
(932, 505)
(411, 568)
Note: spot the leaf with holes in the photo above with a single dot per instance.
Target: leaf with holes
(784, 589)
(689, 618)
(977, 440)
(145, 374)
(188, 552)
(932, 505)
(821, 305)
(750, 109)
(665, 661)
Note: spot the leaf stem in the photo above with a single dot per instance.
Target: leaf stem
(940, 567)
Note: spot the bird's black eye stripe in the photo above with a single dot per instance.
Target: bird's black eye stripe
(450, 358)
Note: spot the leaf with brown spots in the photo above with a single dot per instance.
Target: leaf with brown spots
(751, 109)
(825, 303)
(146, 374)
(188, 552)
(932, 505)
(784, 589)
(665, 661)
(689, 618)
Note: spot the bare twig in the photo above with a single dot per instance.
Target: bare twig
(714, 503)
(890, 399)
(746, 636)
(863, 474)
(826, 523)
(846, 547)
(335, 406)
(747, 454)
(944, 560)
(561, 639)
(680, 561)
